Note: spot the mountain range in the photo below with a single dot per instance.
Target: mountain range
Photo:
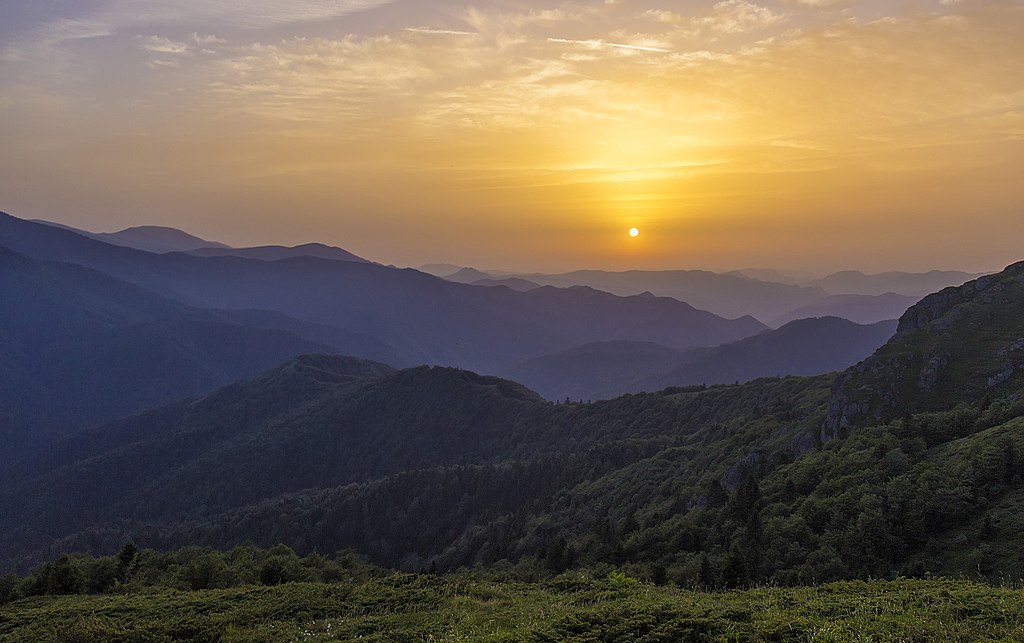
(420, 318)
(876, 472)
(852, 295)
(610, 369)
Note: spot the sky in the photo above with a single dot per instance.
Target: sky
(809, 135)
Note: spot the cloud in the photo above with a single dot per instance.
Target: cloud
(245, 14)
(439, 32)
(739, 16)
(161, 45)
(594, 43)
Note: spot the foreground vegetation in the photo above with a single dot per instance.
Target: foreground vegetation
(253, 594)
(571, 607)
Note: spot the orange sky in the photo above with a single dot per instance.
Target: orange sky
(811, 134)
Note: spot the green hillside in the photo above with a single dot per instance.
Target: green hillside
(962, 344)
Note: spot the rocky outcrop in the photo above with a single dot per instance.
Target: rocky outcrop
(942, 354)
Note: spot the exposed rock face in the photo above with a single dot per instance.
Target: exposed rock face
(929, 375)
(944, 352)
(732, 478)
(935, 306)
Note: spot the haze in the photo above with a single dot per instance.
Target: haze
(814, 134)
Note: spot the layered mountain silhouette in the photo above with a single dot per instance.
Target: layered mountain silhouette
(913, 284)
(728, 295)
(150, 238)
(442, 465)
(79, 347)
(275, 253)
(419, 317)
(862, 309)
(609, 369)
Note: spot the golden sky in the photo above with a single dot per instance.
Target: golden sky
(802, 134)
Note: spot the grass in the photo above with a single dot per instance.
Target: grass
(570, 608)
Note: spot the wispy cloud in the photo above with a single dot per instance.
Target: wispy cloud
(161, 45)
(439, 32)
(595, 43)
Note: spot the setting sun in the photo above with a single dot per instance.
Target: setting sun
(633, 232)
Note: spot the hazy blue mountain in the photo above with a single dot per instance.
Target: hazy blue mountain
(791, 277)
(802, 347)
(275, 253)
(440, 269)
(913, 284)
(150, 238)
(605, 370)
(78, 347)
(862, 309)
(522, 285)
(426, 319)
(596, 371)
(723, 294)
(468, 276)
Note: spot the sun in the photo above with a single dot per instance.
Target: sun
(634, 232)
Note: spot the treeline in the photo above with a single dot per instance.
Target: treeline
(192, 568)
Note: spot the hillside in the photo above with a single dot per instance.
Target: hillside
(604, 370)
(961, 344)
(236, 450)
(78, 348)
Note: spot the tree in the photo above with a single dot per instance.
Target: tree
(706, 574)
(127, 562)
(8, 588)
(735, 573)
(65, 577)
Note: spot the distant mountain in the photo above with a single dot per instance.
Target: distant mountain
(605, 370)
(912, 284)
(440, 269)
(961, 344)
(791, 277)
(596, 371)
(78, 347)
(727, 295)
(276, 253)
(426, 319)
(862, 309)
(514, 283)
(802, 347)
(468, 276)
(150, 238)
